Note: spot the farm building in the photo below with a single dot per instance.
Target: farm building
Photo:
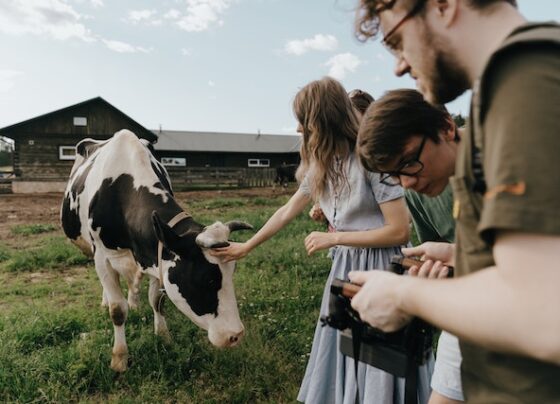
(44, 148)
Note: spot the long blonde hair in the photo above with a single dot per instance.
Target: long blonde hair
(330, 128)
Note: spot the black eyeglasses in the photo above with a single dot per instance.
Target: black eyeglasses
(410, 168)
(415, 10)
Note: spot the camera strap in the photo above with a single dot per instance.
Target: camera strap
(357, 329)
(411, 377)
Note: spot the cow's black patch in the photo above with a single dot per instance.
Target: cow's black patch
(199, 282)
(122, 215)
(162, 176)
(88, 146)
(70, 220)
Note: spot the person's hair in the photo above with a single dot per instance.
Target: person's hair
(329, 128)
(392, 120)
(360, 100)
(367, 13)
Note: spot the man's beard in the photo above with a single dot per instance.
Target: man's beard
(447, 79)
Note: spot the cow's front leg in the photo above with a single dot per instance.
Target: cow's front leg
(157, 298)
(118, 310)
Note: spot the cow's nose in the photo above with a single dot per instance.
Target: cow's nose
(234, 339)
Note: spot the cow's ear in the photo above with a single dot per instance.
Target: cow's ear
(166, 234)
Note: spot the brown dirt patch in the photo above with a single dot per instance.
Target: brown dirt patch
(21, 209)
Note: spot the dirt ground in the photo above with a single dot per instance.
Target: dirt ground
(17, 209)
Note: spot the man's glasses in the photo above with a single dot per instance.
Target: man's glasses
(385, 41)
(410, 168)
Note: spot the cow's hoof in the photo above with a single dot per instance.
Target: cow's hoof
(119, 362)
(133, 301)
(165, 335)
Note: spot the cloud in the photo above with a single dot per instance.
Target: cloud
(341, 64)
(319, 42)
(142, 16)
(97, 3)
(53, 18)
(199, 15)
(211, 83)
(7, 79)
(123, 47)
(186, 52)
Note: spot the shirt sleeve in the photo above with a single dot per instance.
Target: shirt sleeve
(381, 192)
(304, 186)
(521, 129)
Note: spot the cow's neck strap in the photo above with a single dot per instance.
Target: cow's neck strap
(176, 219)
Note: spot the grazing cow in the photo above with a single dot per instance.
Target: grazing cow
(285, 173)
(119, 205)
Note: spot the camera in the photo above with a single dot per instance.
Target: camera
(399, 352)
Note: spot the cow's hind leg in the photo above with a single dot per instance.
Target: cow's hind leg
(118, 310)
(157, 298)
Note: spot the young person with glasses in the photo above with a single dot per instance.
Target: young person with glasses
(504, 303)
(371, 222)
(414, 144)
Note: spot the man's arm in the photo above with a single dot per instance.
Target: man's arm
(512, 307)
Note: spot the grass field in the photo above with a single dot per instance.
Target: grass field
(55, 339)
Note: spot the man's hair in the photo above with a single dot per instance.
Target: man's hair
(361, 100)
(392, 120)
(367, 13)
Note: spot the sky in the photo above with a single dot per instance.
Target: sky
(194, 65)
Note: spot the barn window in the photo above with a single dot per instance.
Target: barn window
(258, 163)
(80, 121)
(66, 152)
(174, 161)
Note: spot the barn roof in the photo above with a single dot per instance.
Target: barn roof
(227, 142)
(14, 131)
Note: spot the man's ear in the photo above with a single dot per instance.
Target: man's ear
(447, 10)
(451, 131)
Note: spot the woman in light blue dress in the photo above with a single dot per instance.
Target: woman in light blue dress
(370, 222)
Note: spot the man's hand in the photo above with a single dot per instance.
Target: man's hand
(430, 269)
(316, 213)
(378, 301)
(317, 240)
(444, 252)
(234, 252)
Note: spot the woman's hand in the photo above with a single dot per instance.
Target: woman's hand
(234, 252)
(316, 213)
(317, 240)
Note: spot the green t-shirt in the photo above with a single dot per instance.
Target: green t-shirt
(432, 216)
(518, 134)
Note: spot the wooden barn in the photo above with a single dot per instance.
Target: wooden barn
(44, 149)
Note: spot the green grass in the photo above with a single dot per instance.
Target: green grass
(26, 230)
(50, 252)
(55, 339)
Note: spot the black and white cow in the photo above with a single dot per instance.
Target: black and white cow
(117, 206)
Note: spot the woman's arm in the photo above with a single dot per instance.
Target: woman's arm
(396, 231)
(277, 221)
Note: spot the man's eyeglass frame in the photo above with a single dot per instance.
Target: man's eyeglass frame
(415, 10)
(393, 178)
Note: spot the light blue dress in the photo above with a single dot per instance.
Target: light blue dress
(330, 376)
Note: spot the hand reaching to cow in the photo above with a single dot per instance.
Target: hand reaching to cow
(234, 252)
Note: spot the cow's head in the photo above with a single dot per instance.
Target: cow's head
(200, 285)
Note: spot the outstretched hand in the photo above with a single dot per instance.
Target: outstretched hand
(234, 252)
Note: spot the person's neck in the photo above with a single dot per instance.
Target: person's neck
(483, 33)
